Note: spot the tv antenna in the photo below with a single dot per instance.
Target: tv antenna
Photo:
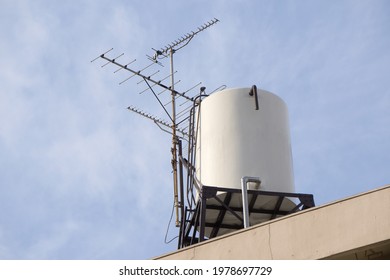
(168, 51)
(181, 125)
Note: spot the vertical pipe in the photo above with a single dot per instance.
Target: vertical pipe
(245, 209)
(181, 202)
(174, 143)
(202, 222)
(252, 92)
(245, 206)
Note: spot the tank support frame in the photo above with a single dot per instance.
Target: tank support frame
(220, 202)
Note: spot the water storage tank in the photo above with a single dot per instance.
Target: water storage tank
(236, 138)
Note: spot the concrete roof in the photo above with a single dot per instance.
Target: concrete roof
(356, 227)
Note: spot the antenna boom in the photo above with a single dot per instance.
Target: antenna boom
(148, 78)
(182, 40)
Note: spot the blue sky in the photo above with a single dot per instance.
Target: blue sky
(83, 178)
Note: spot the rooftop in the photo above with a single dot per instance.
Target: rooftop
(356, 227)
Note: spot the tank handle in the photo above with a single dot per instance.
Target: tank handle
(252, 92)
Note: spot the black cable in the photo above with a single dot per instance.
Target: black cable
(169, 224)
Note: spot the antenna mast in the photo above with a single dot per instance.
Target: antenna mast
(163, 53)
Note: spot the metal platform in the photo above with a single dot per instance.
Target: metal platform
(220, 211)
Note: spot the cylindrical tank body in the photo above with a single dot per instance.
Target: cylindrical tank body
(235, 139)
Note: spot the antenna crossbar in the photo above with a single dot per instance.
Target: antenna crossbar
(148, 78)
(183, 41)
(155, 119)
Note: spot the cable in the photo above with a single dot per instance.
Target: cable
(169, 224)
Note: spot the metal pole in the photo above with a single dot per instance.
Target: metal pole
(245, 206)
(182, 212)
(174, 143)
(202, 222)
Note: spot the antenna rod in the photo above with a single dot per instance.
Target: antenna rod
(145, 77)
(149, 116)
(183, 40)
(154, 119)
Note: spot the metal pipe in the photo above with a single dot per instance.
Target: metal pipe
(174, 143)
(252, 92)
(181, 202)
(245, 206)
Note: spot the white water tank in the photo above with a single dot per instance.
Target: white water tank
(236, 139)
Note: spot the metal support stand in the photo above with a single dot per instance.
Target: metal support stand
(218, 211)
